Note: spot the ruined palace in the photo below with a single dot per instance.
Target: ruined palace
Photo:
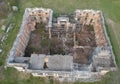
(67, 47)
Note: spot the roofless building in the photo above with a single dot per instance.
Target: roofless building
(69, 47)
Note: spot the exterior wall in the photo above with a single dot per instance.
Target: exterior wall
(102, 61)
(108, 40)
(73, 76)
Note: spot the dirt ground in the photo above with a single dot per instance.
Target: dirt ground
(86, 37)
(82, 56)
(38, 42)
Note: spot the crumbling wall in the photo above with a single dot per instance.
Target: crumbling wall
(24, 36)
(82, 76)
(95, 18)
(103, 58)
(109, 43)
(98, 28)
(28, 25)
(91, 17)
(18, 48)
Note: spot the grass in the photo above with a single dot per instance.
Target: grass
(110, 9)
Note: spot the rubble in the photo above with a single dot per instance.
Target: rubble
(3, 27)
(14, 8)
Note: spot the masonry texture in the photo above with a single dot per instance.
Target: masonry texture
(69, 47)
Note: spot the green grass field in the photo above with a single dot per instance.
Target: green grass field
(111, 11)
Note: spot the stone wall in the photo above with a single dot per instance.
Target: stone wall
(18, 47)
(108, 40)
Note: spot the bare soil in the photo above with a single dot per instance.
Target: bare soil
(38, 42)
(86, 37)
(82, 56)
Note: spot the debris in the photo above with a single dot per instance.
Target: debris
(15, 8)
(3, 27)
(9, 27)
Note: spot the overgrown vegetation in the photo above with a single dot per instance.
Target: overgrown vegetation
(110, 9)
(91, 27)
